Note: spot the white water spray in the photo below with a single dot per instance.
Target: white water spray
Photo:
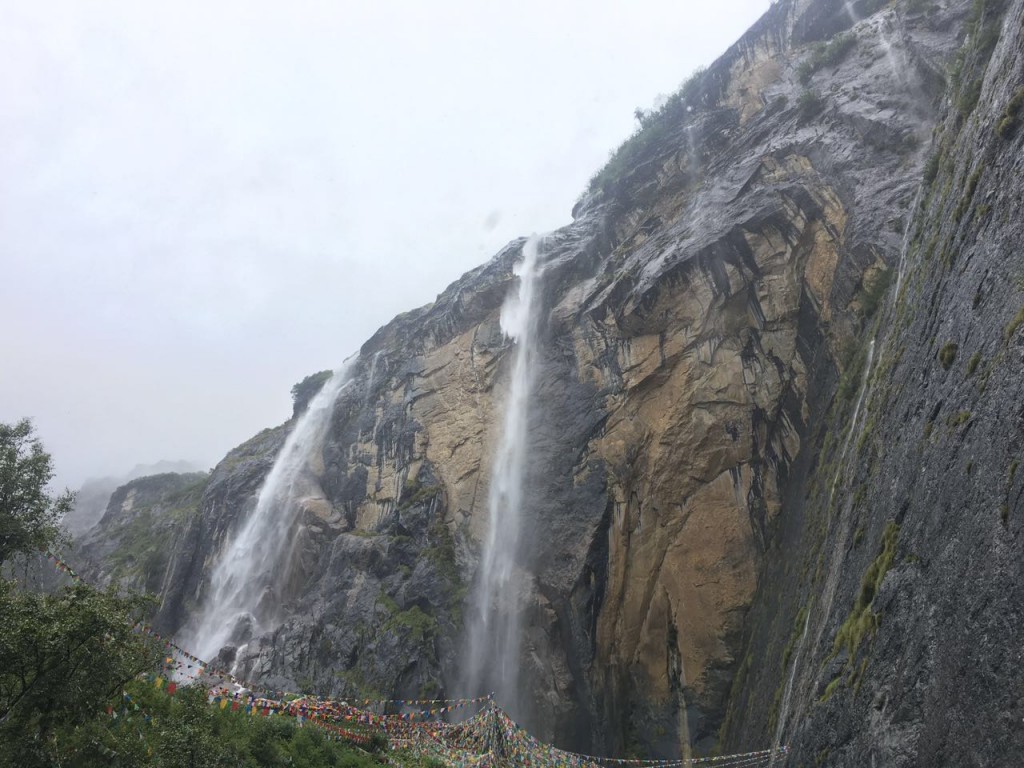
(868, 364)
(494, 625)
(905, 246)
(788, 693)
(245, 594)
(850, 12)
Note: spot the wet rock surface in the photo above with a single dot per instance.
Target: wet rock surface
(908, 546)
(697, 476)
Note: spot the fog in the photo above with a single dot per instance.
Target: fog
(201, 203)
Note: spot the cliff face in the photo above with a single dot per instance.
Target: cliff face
(699, 483)
(895, 599)
(92, 498)
(129, 543)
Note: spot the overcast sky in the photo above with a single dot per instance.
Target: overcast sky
(202, 201)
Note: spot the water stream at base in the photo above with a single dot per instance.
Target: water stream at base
(244, 597)
(494, 631)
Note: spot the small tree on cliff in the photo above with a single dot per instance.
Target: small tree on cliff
(307, 389)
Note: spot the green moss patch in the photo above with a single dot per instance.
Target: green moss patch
(947, 355)
(863, 621)
(1013, 325)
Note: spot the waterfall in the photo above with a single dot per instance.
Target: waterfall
(860, 401)
(788, 693)
(905, 248)
(245, 593)
(492, 664)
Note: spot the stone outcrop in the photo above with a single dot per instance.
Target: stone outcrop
(702, 344)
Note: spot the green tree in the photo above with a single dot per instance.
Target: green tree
(29, 515)
(64, 657)
(307, 389)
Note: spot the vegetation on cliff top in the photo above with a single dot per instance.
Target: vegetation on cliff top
(307, 389)
(654, 126)
(827, 54)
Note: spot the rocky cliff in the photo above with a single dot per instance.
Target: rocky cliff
(745, 521)
(92, 498)
(888, 626)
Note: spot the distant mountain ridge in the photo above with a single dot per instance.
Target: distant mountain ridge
(92, 497)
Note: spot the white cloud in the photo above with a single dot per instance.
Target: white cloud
(202, 202)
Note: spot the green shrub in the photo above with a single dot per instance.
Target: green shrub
(1013, 325)
(795, 635)
(863, 621)
(415, 623)
(826, 55)
(931, 167)
(875, 291)
(948, 354)
(854, 360)
(654, 127)
(960, 419)
(810, 104)
(830, 689)
(156, 729)
(972, 364)
(1007, 125)
(968, 99)
(417, 494)
(965, 202)
(307, 389)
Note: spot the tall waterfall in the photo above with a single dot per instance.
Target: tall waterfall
(244, 597)
(492, 663)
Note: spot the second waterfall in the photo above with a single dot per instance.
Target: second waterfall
(494, 631)
(248, 585)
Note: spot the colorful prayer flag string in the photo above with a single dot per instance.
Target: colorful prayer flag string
(485, 739)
